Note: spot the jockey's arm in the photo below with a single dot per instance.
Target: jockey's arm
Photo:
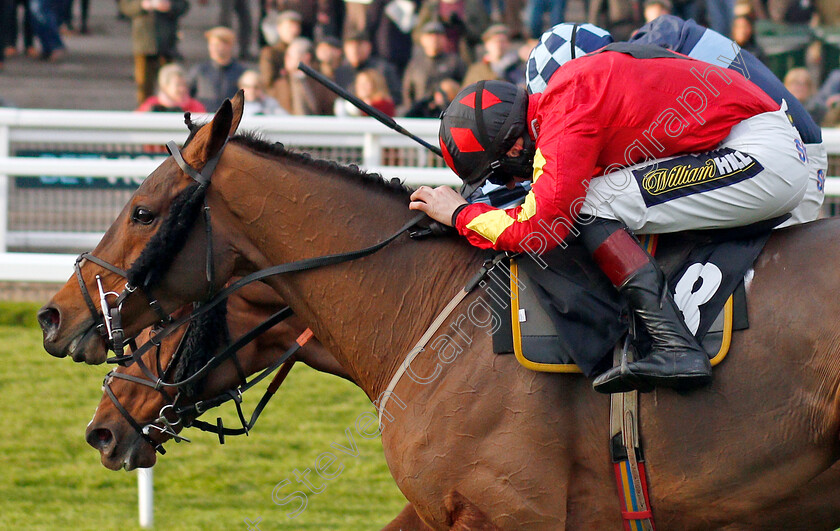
(567, 149)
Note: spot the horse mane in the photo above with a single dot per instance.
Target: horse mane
(204, 337)
(375, 181)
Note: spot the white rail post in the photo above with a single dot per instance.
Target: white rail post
(371, 151)
(145, 497)
(4, 189)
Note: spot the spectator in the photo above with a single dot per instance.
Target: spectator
(830, 89)
(653, 9)
(620, 17)
(272, 58)
(785, 11)
(329, 55)
(154, 37)
(371, 88)
(828, 12)
(244, 23)
(428, 68)
(391, 32)
(463, 21)
(172, 95)
(45, 25)
(295, 91)
(84, 11)
(801, 84)
(357, 57)
(214, 80)
(538, 8)
(744, 36)
(257, 102)
(500, 61)
(9, 25)
(313, 13)
(434, 105)
(358, 16)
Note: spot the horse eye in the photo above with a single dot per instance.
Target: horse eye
(143, 215)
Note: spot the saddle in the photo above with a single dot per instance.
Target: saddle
(561, 314)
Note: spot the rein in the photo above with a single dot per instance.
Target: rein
(186, 415)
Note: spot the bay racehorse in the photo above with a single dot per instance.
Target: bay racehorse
(470, 432)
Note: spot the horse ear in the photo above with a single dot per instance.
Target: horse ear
(238, 104)
(220, 129)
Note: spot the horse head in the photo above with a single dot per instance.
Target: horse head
(149, 249)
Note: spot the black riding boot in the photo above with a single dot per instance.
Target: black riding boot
(675, 359)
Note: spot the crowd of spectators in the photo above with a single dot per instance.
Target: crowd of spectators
(403, 57)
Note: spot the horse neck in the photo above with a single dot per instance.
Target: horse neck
(370, 312)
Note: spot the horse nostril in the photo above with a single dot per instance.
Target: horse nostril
(100, 438)
(49, 318)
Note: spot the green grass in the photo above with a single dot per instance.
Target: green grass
(51, 479)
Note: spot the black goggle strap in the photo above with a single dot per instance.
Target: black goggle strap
(573, 42)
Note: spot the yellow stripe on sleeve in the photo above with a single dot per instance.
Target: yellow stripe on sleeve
(529, 207)
(491, 224)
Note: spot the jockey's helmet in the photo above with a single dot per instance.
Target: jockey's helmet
(478, 129)
(558, 46)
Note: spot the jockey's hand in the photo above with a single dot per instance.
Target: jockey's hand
(438, 203)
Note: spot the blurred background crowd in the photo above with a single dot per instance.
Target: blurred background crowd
(403, 57)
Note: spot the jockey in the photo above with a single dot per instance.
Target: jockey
(633, 136)
(689, 38)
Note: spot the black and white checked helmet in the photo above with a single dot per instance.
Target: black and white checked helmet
(559, 45)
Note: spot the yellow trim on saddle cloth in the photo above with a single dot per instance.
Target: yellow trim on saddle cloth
(570, 368)
(517, 332)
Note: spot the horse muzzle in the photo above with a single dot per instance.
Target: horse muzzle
(116, 452)
(85, 345)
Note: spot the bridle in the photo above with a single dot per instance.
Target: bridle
(109, 324)
(171, 415)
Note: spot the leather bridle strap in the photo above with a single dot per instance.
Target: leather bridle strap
(224, 397)
(285, 363)
(127, 416)
(157, 382)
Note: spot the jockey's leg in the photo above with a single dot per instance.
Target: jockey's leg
(675, 359)
(758, 172)
(809, 208)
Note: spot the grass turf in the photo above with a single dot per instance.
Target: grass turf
(51, 479)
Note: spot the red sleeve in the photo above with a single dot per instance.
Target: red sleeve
(568, 146)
